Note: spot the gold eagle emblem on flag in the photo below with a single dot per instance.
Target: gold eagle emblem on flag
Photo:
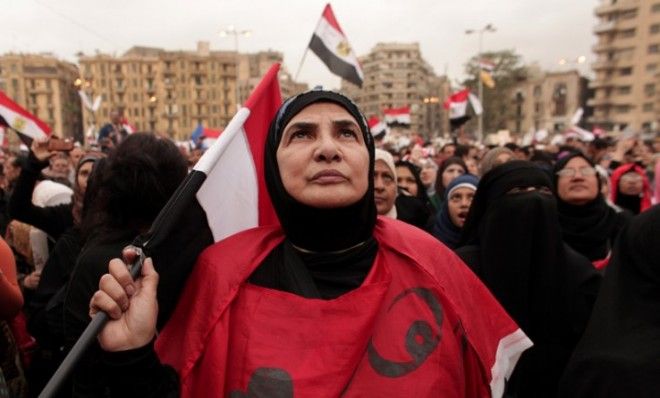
(18, 124)
(343, 48)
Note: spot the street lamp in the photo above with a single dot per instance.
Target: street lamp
(488, 28)
(232, 31)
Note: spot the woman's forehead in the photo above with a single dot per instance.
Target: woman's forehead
(318, 111)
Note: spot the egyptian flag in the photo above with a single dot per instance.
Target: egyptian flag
(225, 193)
(457, 105)
(129, 128)
(330, 44)
(23, 122)
(397, 117)
(377, 128)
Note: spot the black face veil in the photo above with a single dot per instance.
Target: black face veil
(311, 228)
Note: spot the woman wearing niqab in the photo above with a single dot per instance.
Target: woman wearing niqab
(512, 241)
(334, 302)
(619, 354)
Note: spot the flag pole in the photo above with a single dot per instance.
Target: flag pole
(295, 78)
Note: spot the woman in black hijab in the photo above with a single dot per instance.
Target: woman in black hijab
(412, 204)
(619, 355)
(512, 241)
(588, 224)
(335, 302)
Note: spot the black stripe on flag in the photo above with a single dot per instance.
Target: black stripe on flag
(177, 236)
(336, 65)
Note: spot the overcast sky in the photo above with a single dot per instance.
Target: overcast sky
(542, 31)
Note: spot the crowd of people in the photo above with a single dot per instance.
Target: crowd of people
(548, 250)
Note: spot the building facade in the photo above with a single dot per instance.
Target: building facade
(162, 91)
(44, 85)
(627, 65)
(396, 75)
(252, 67)
(548, 101)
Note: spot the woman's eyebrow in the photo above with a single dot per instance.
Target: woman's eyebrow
(344, 123)
(301, 125)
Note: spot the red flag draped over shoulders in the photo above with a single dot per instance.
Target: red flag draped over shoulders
(421, 324)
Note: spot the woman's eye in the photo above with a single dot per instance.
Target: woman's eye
(348, 133)
(301, 134)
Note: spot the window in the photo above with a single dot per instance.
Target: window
(655, 7)
(537, 91)
(655, 28)
(622, 108)
(623, 90)
(649, 89)
(626, 71)
(624, 34)
(654, 48)
(648, 107)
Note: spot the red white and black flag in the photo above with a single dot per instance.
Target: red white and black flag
(397, 117)
(26, 124)
(457, 105)
(330, 44)
(224, 194)
(377, 128)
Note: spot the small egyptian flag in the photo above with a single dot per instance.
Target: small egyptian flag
(377, 128)
(23, 122)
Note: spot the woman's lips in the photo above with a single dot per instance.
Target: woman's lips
(328, 177)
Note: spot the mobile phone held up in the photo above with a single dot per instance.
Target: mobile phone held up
(56, 144)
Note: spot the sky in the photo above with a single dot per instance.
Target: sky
(541, 31)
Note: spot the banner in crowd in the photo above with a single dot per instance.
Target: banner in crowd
(28, 125)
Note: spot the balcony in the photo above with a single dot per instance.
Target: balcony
(604, 27)
(601, 83)
(120, 89)
(621, 5)
(595, 102)
(607, 64)
(602, 47)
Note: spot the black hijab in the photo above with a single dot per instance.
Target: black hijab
(327, 251)
(589, 228)
(619, 354)
(517, 251)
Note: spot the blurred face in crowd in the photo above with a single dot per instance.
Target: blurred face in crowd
(406, 180)
(502, 158)
(448, 150)
(458, 204)
(450, 173)
(384, 187)
(631, 184)
(60, 165)
(429, 173)
(11, 172)
(75, 155)
(83, 175)
(472, 166)
(577, 183)
(323, 158)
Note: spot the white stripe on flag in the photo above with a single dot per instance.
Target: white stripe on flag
(333, 39)
(22, 124)
(457, 109)
(230, 196)
(476, 104)
(508, 352)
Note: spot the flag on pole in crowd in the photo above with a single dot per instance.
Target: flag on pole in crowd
(457, 105)
(377, 128)
(129, 128)
(26, 124)
(225, 193)
(397, 117)
(486, 68)
(330, 44)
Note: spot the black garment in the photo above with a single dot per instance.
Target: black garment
(53, 220)
(517, 251)
(590, 229)
(414, 211)
(89, 377)
(619, 354)
(45, 311)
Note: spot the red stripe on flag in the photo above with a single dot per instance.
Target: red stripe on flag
(8, 103)
(330, 17)
(397, 111)
(263, 105)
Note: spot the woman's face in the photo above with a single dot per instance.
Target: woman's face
(323, 158)
(428, 174)
(384, 187)
(631, 184)
(458, 204)
(450, 173)
(577, 183)
(83, 175)
(406, 180)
